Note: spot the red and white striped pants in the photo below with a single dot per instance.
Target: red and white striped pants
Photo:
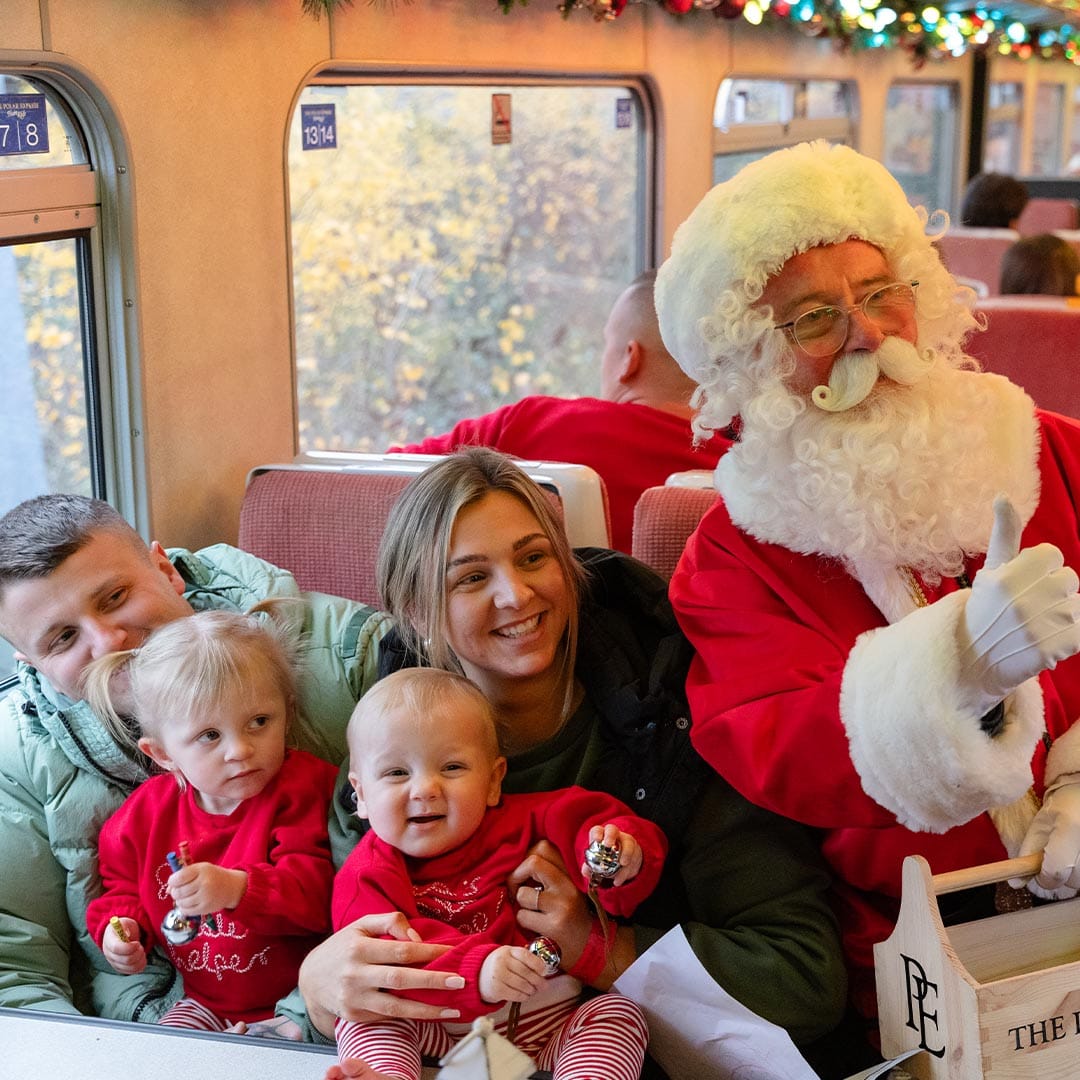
(603, 1038)
(189, 1013)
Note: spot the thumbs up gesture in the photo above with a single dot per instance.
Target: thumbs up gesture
(1021, 616)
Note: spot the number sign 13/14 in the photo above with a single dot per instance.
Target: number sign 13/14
(318, 126)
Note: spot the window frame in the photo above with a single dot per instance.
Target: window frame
(741, 138)
(93, 203)
(338, 73)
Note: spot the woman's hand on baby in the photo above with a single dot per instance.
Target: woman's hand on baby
(559, 910)
(126, 957)
(203, 888)
(349, 974)
(630, 857)
(510, 973)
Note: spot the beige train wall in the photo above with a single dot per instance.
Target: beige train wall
(205, 89)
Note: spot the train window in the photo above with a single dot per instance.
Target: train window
(1004, 117)
(456, 246)
(53, 413)
(920, 141)
(1072, 166)
(1046, 156)
(753, 117)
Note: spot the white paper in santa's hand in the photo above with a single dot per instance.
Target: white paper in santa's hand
(696, 1029)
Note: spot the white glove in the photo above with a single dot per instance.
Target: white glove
(1021, 615)
(1056, 833)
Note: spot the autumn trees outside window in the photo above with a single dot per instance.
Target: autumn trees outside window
(457, 247)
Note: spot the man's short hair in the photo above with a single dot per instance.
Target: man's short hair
(39, 534)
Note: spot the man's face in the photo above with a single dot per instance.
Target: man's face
(106, 597)
(835, 275)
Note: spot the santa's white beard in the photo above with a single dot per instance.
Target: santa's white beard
(905, 478)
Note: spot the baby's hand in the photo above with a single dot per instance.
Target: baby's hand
(127, 957)
(279, 1027)
(630, 857)
(203, 888)
(510, 973)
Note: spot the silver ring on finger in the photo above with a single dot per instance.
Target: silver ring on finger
(539, 889)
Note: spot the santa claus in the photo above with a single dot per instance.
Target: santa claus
(882, 602)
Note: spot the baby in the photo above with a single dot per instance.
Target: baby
(426, 768)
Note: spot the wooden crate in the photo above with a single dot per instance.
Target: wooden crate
(996, 999)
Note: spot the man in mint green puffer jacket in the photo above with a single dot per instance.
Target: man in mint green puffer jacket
(77, 581)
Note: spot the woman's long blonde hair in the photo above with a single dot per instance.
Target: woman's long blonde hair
(415, 548)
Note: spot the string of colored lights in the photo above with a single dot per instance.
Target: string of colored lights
(926, 31)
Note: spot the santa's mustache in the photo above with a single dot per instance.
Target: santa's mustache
(855, 374)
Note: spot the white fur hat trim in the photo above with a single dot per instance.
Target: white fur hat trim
(744, 230)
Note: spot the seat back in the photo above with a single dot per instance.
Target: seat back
(324, 521)
(322, 525)
(664, 518)
(580, 489)
(1047, 215)
(976, 254)
(1035, 341)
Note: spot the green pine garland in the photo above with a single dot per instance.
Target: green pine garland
(317, 7)
(923, 30)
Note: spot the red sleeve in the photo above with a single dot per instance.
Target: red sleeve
(120, 865)
(773, 631)
(565, 817)
(374, 880)
(289, 893)
(478, 431)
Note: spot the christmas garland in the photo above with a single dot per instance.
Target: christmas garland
(923, 30)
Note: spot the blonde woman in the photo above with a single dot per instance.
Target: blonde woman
(584, 665)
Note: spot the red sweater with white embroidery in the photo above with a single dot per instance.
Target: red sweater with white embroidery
(278, 838)
(461, 898)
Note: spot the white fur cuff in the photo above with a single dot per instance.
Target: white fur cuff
(919, 751)
(1063, 761)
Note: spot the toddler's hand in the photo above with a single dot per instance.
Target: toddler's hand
(203, 888)
(510, 973)
(126, 957)
(630, 857)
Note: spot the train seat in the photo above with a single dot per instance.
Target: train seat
(664, 518)
(975, 254)
(1048, 215)
(322, 517)
(1035, 341)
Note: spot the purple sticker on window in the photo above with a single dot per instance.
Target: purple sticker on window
(24, 128)
(319, 127)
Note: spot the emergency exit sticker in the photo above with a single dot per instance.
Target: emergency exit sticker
(319, 127)
(24, 128)
(500, 119)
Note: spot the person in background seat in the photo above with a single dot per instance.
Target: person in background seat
(635, 434)
(993, 201)
(1042, 265)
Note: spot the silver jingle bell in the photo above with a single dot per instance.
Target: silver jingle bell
(548, 951)
(177, 928)
(603, 861)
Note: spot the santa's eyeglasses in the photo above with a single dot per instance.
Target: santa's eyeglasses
(822, 331)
